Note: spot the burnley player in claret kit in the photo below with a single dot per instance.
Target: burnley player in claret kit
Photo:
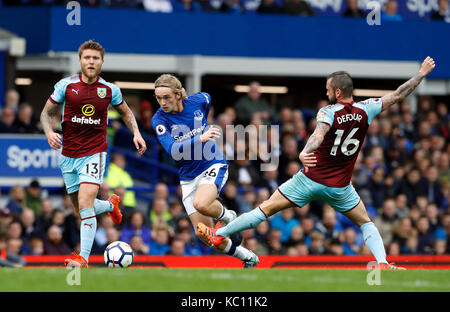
(84, 100)
(329, 157)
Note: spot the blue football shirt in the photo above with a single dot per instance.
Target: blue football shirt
(179, 134)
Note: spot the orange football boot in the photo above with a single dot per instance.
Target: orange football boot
(389, 266)
(115, 214)
(210, 233)
(76, 261)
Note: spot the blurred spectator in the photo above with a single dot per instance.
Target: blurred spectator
(193, 246)
(393, 249)
(269, 179)
(353, 10)
(410, 186)
(177, 247)
(390, 12)
(29, 231)
(45, 219)
(262, 195)
(295, 237)
(290, 154)
(136, 226)
(401, 202)
(246, 202)
(6, 217)
(252, 103)
(164, 6)
(411, 246)
(425, 236)
(269, 7)
(432, 214)
(186, 6)
(33, 197)
(160, 243)
(440, 247)
(285, 222)
(334, 247)
(252, 244)
(176, 210)
(8, 258)
(317, 246)
(262, 231)
(275, 247)
(145, 117)
(117, 176)
(430, 186)
(329, 226)
(229, 196)
(36, 246)
(298, 7)
(55, 244)
(242, 172)
(159, 212)
(7, 118)
(138, 246)
(443, 13)
(349, 243)
(386, 222)
(444, 168)
(14, 231)
(403, 230)
(16, 203)
(232, 6)
(377, 188)
(25, 121)
(104, 222)
(12, 100)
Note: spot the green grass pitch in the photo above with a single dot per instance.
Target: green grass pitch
(221, 280)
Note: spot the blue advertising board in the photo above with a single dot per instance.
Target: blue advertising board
(28, 156)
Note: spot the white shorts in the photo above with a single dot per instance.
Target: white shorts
(216, 174)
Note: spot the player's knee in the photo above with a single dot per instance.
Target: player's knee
(201, 206)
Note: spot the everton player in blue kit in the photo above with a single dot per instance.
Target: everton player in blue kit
(182, 130)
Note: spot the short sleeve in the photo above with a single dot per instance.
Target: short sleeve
(326, 115)
(59, 93)
(373, 108)
(116, 97)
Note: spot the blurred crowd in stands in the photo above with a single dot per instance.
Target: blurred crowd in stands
(290, 7)
(402, 175)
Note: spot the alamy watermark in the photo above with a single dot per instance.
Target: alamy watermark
(253, 142)
(374, 275)
(74, 16)
(73, 277)
(374, 16)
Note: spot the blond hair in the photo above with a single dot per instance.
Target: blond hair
(172, 82)
(92, 45)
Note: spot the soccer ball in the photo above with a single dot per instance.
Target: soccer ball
(118, 255)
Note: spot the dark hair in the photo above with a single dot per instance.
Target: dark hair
(342, 80)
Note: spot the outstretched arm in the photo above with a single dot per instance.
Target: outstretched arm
(129, 120)
(50, 110)
(307, 155)
(405, 89)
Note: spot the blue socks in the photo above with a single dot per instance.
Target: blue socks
(87, 231)
(245, 221)
(373, 240)
(102, 206)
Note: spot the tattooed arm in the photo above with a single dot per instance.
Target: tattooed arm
(50, 110)
(405, 89)
(130, 122)
(307, 155)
